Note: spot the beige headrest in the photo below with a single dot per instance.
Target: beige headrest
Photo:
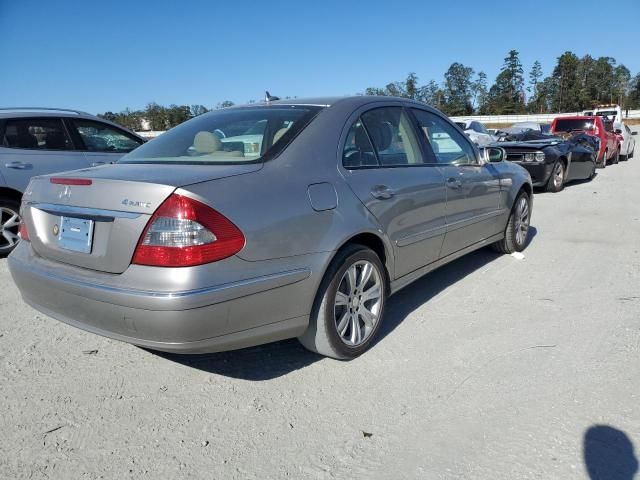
(206, 142)
(279, 134)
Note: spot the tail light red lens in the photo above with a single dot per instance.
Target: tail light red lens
(184, 232)
(22, 232)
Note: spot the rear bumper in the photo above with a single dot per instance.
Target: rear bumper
(223, 317)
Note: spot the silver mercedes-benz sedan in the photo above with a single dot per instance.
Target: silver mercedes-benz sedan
(264, 222)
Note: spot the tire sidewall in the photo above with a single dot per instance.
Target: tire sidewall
(512, 223)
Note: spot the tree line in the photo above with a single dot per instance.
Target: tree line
(157, 117)
(573, 85)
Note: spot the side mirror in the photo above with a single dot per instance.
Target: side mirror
(618, 131)
(494, 154)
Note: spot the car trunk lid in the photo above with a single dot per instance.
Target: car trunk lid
(93, 218)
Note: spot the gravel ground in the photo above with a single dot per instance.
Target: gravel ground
(491, 367)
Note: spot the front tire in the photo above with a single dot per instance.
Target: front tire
(9, 224)
(517, 229)
(616, 159)
(349, 306)
(603, 164)
(556, 180)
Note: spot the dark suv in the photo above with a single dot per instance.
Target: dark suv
(39, 141)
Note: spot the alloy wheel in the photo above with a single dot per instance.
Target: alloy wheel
(558, 175)
(9, 225)
(522, 220)
(358, 303)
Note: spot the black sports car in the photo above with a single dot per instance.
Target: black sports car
(552, 160)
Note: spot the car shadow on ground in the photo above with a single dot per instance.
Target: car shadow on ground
(570, 184)
(266, 362)
(609, 454)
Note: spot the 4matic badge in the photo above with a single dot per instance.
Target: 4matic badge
(135, 203)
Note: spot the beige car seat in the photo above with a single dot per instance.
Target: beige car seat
(209, 144)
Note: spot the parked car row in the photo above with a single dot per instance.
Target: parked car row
(569, 148)
(291, 218)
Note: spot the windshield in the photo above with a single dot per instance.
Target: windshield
(611, 114)
(229, 136)
(568, 125)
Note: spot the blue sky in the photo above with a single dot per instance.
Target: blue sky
(100, 56)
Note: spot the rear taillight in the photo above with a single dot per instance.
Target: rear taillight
(22, 231)
(184, 232)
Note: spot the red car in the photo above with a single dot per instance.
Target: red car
(596, 126)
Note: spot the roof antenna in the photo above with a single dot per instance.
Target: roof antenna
(270, 98)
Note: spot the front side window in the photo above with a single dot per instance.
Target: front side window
(229, 136)
(392, 137)
(36, 134)
(100, 137)
(448, 144)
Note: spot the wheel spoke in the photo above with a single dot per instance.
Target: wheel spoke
(373, 293)
(351, 279)
(367, 270)
(367, 317)
(356, 337)
(342, 300)
(344, 323)
(10, 237)
(14, 221)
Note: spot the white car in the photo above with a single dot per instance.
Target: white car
(628, 143)
(477, 132)
(614, 113)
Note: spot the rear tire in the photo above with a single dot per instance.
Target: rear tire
(556, 180)
(517, 229)
(349, 306)
(9, 224)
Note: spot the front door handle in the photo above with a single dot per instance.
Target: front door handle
(18, 165)
(97, 164)
(382, 192)
(454, 183)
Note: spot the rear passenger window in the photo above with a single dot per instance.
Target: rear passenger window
(358, 151)
(449, 146)
(36, 134)
(392, 136)
(99, 137)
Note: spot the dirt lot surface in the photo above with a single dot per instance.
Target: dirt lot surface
(492, 367)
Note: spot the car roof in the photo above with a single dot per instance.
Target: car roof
(42, 111)
(354, 100)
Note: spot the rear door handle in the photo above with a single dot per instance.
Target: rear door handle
(454, 183)
(382, 192)
(18, 165)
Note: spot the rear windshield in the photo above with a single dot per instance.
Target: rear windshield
(568, 125)
(229, 136)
